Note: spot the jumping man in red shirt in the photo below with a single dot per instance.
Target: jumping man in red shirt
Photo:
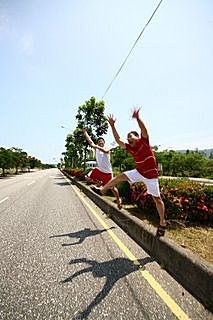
(146, 170)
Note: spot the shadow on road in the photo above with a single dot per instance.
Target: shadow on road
(8, 176)
(112, 270)
(81, 234)
(62, 184)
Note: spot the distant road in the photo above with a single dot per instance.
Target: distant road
(61, 258)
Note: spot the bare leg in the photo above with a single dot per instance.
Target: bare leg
(118, 199)
(111, 185)
(113, 182)
(161, 209)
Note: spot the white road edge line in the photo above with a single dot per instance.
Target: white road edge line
(29, 184)
(6, 198)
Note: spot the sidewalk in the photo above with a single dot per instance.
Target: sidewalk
(191, 271)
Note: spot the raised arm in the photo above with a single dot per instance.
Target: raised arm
(92, 144)
(111, 121)
(144, 132)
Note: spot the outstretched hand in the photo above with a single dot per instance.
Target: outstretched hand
(135, 113)
(111, 119)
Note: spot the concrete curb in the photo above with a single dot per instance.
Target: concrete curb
(194, 273)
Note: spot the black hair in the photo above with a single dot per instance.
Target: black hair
(100, 138)
(134, 132)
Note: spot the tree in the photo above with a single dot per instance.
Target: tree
(209, 168)
(194, 164)
(34, 163)
(91, 116)
(188, 164)
(6, 159)
(20, 158)
(165, 158)
(73, 154)
(122, 159)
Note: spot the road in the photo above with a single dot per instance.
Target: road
(62, 258)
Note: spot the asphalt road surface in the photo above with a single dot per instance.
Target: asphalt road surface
(62, 258)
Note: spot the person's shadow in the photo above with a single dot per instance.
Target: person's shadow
(81, 234)
(112, 270)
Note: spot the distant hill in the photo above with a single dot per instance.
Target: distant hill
(206, 151)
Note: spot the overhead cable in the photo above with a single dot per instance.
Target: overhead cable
(121, 67)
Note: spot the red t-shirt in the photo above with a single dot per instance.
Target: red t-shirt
(144, 158)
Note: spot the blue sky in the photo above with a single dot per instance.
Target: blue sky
(55, 55)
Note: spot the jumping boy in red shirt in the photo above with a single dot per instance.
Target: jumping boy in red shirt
(101, 174)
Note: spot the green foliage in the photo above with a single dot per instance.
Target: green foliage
(34, 163)
(124, 191)
(6, 159)
(91, 116)
(18, 159)
(118, 155)
(121, 159)
(209, 168)
(71, 155)
(188, 164)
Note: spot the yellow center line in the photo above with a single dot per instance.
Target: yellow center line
(173, 306)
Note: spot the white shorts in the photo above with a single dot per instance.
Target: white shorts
(152, 185)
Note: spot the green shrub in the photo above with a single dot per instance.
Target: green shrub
(124, 191)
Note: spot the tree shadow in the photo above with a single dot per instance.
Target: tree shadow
(112, 270)
(7, 176)
(81, 234)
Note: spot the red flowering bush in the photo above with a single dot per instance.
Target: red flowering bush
(77, 173)
(183, 199)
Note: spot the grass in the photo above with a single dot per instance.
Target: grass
(197, 238)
